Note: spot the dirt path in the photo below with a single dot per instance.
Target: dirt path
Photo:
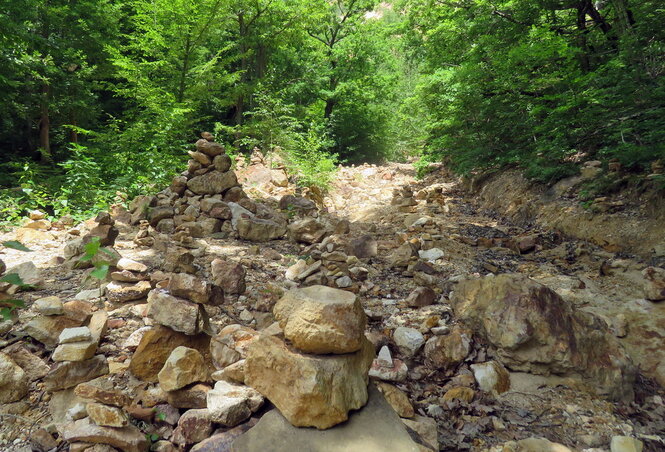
(473, 242)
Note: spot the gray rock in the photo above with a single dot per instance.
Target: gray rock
(375, 428)
(212, 183)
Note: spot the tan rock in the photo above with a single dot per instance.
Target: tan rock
(460, 393)
(102, 390)
(259, 230)
(310, 391)
(654, 283)
(183, 367)
(397, 399)
(231, 344)
(426, 429)
(534, 330)
(491, 377)
(131, 265)
(13, 382)
(320, 319)
(230, 404)
(49, 306)
(106, 416)
(75, 351)
(120, 292)
(127, 439)
(534, 445)
(67, 374)
(230, 276)
(176, 313)
(156, 346)
(447, 351)
(190, 287)
(34, 367)
(191, 397)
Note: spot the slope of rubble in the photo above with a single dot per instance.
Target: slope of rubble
(232, 293)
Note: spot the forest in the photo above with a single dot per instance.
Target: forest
(100, 99)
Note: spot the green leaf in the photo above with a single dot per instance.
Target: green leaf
(15, 303)
(100, 272)
(92, 247)
(16, 245)
(13, 278)
(6, 313)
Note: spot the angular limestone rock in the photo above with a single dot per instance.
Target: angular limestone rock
(67, 374)
(13, 382)
(375, 428)
(230, 404)
(127, 439)
(309, 390)
(183, 367)
(320, 319)
(534, 330)
(176, 313)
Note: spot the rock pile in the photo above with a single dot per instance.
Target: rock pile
(321, 373)
(403, 199)
(334, 262)
(205, 200)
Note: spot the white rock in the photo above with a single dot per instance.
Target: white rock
(230, 404)
(49, 306)
(625, 444)
(408, 340)
(296, 269)
(344, 282)
(78, 334)
(385, 359)
(132, 266)
(237, 212)
(431, 255)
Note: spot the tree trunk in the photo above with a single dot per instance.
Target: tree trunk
(45, 126)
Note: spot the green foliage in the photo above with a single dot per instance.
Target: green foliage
(16, 245)
(92, 251)
(529, 84)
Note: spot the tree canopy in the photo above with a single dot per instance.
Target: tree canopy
(103, 97)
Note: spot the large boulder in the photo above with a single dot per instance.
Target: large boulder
(320, 319)
(375, 428)
(307, 230)
(534, 330)
(259, 230)
(212, 183)
(309, 390)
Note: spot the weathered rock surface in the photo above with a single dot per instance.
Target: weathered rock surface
(309, 390)
(448, 351)
(230, 404)
(67, 374)
(193, 426)
(13, 382)
(127, 439)
(176, 313)
(534, 330)
(105, 415)
(122, 292)
(231, 344)
(156, 346)
(183, 367)
(230, 276)
(320, 319)
(654, 283)
(259, 230)
(212, 183)
(375, 428)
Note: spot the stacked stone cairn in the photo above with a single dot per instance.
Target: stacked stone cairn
(316, 369)
(404, 200)
(333, 260)
(205, 200)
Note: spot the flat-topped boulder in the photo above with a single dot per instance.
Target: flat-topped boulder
(375, 428)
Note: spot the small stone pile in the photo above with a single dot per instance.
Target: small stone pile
(205, 200)
(106, 232)
(403, 199)
(129, 282)
(321, 373)
(334, 262)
